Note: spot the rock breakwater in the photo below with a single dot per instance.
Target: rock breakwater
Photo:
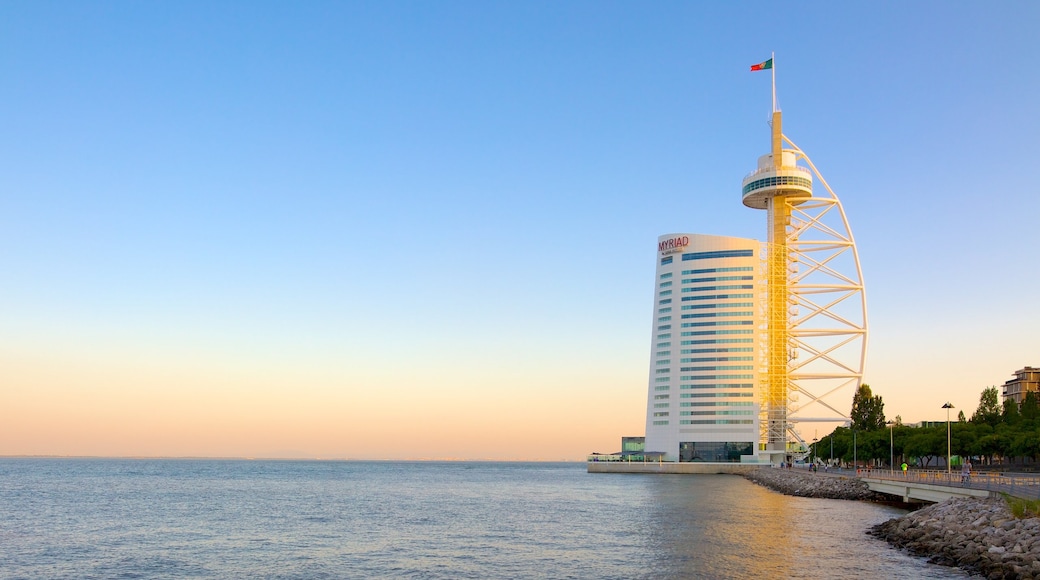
(805, 484)
(978, 535)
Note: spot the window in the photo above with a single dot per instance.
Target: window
(661, 405)
(717, 359)
(658, 397)
(661, 414)
(714, 270)
(713, 288)
(663, 371)
(666, 284)
(719, 254)
(664, 310)
(665, 293)
(666, 260)
(664, 318)
(666, 275)
(717, 297)
(664, 352)
(665, 344)
(660, 422)
(665, 301)
(665, 327)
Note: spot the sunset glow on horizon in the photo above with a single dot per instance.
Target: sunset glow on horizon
(422, 231)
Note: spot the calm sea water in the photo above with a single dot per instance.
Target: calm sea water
(102, 518)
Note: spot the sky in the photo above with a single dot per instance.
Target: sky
(427, 230)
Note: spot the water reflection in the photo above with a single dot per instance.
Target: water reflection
(717, 526)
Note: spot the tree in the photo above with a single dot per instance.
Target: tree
(868, 410)
(1010, 414)
(1030, 410)
(989, 407)
(960, 417)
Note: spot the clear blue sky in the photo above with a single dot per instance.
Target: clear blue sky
(418, 229)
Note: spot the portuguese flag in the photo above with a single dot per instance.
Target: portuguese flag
(762, 65)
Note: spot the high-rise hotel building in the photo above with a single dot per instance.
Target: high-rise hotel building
(702, 404)
(751, 338)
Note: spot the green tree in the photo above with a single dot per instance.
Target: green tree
(960, 417)
(989, 407)
(1010, 414)
(1030, 410)
(868, 410)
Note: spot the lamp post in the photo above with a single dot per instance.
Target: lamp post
(855, 460)
(815, 452)
(891, 449)
(949, 457)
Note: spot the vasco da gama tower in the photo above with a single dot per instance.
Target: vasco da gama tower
(752, 338)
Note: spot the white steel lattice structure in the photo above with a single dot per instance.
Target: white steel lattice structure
(813, 336)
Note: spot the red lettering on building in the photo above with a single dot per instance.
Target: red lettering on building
(673, 243)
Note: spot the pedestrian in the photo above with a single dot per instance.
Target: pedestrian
(904, 468)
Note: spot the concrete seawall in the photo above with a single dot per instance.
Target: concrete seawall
(669, 468)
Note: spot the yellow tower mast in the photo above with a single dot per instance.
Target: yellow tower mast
(814, 299)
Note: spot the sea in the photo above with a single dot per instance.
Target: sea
(181, 518)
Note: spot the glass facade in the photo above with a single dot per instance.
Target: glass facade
(714, 451)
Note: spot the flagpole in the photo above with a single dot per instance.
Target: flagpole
(772, 57)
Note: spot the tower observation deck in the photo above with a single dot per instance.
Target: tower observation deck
(813, 336)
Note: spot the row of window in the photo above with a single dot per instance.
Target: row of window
(774, 181)
(666, 275)
(716, 395)
(664, 310)
(718, 270)
(720, 305)
(715, 413)
(715, 350)
(715, 422)
(718, 404)
(714, 288)
(718, 368)
(665, 301)
(717, 297)
(708, 332)
(718, 254)
(717, 341)
(715, 279)
(718, 377)
(717, 359)
(666, 284)
(715, 323)
(714, 314)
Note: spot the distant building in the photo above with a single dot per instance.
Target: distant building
(1026, 380)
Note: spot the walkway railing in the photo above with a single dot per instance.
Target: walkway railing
(1024, 485)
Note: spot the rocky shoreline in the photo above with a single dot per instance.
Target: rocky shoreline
(980, 536)
(805, 484)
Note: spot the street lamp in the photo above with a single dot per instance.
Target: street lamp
(855, 460)
(815, 452)
(949, 457)
(891, 449)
